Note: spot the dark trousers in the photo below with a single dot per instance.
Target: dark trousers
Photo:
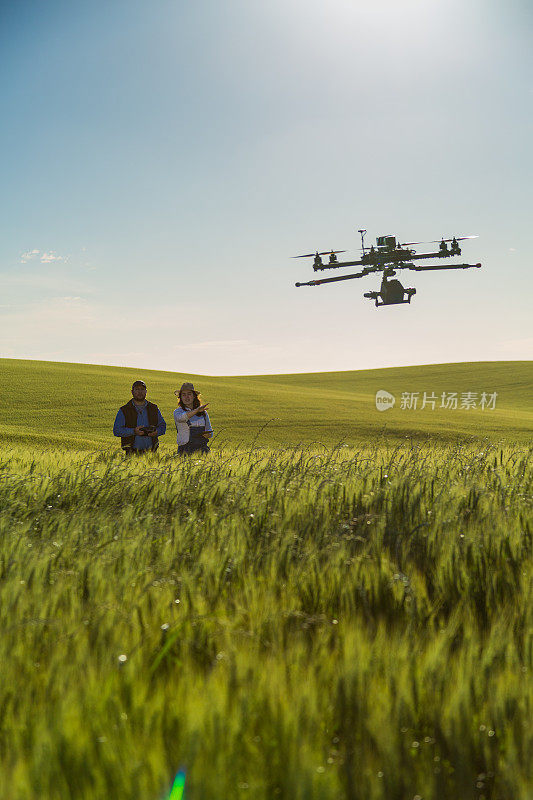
(191, 447)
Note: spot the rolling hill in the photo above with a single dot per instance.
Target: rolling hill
(75, 404)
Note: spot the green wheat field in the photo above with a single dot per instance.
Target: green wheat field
(335, 604)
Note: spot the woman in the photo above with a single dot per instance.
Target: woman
(192, 421)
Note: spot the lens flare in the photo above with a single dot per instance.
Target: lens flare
(178, 787)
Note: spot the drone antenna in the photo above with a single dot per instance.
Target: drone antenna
(362, 232)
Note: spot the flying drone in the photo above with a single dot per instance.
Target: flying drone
(387, 257)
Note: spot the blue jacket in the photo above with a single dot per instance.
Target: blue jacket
(140, 442)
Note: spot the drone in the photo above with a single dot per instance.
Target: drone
(388, 257)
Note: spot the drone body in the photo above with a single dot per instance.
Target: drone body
(387, 257)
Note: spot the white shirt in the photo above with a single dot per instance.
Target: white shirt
(182, 428)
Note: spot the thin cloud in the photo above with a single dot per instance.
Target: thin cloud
(62, 314)
(215, 343)
(69, 299)
(46, 258)
(46, 281)
(28, 255)
(42, 256)
(516, 346)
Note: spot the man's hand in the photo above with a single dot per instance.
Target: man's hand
(139, 431)
(153, 434)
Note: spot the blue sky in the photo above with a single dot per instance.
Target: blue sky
(162, 161)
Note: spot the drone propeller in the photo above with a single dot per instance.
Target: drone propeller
(325, 253)
(437, 241)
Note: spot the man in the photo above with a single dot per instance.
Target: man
(139, 423)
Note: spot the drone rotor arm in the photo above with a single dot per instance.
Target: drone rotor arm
(339, 264)
(434, 267)
(337, 278)
(436, 241)
(324, 253)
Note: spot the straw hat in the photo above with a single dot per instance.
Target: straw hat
(184, 388)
